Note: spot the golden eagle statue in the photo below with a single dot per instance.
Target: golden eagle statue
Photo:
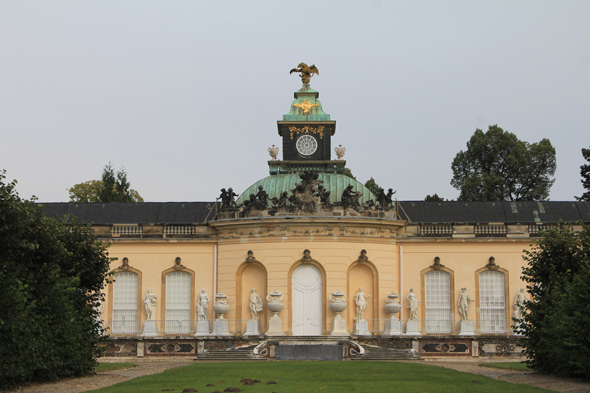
(306, 71)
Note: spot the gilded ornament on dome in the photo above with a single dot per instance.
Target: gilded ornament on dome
(305, 71)
(306, 105)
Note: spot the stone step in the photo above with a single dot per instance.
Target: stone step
(233, 354)
(379, 353)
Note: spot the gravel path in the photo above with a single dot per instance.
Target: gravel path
(528, 378)
(151, 366)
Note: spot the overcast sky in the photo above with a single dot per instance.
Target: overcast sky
(185, 95)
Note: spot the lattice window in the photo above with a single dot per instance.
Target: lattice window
(492, 303)
(178, 302)
(437, 289)
(125, 287)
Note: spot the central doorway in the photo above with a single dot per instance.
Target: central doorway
(307, 301)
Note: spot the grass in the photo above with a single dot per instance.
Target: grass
(112, 366)
(517, 366)
(317, 377)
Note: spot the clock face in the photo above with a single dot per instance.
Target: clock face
(306, 145)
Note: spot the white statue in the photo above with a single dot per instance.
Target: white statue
(255, 304)
(411, 298)
(518, 303)
(274, 152)
(340, 151)
(202, 306)
(464, 300)
(361, 304)
(149, 302)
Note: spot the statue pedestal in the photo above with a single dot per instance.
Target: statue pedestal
(467, 328)
(149, 329)
(253, 328)
(275, 327)
(202, 328)
(220, 328)
(339, 326)
(362, 328)
(412, 328)
(393, 327)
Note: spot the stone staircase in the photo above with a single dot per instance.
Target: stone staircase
(373, 352)
(244, 353)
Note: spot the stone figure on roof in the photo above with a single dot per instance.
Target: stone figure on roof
(227, 198)
(262, 197)
(324, 196)
(350, 198)
(306, 72)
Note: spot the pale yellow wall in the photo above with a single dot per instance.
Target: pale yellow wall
(151, 258)
(335, 257)
(464, 258)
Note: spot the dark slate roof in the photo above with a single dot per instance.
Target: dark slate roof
(416, 211)
(132, 213)
(500, 212)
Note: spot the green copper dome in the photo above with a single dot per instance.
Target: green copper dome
(274, 185)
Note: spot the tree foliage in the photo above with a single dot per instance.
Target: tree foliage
(497, 166)
(557, 323)
(51, 276)
(372, 185)
(585, 173)
(112, 188)
(433, 198)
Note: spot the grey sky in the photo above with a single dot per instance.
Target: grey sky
(186, 94)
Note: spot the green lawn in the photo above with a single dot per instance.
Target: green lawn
(518, 366)
(317, 377)
(112, 366)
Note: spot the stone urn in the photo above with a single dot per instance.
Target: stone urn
(338, 304)
(392, 305)
(273, 152)
(221, 307)
(340, 151)
(275, 304)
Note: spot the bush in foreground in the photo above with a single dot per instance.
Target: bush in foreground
(51, 276)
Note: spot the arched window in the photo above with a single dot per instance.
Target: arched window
(437, 307)
(125, 287)
(178, 302)
(492, 304)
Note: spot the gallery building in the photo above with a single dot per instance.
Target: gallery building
(309, 237)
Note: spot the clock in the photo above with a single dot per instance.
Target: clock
(306, 145)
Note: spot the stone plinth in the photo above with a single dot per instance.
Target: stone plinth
(362, 328)
(393, 327)
(339, 326)
(202, 328)
(412, 328)
(253, 328)
(275, 327)
(467, 328)
(220, 328)
(149, 329)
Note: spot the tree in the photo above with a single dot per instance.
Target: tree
(373, 186)
(52, 273)
(348, 172)
(112, 188)
(433, 198)
(585, 172)
(556, 324)
(497, 166)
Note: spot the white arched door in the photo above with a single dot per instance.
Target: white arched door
(307, 301)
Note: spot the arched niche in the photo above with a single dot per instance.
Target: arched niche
(362, 273)
(437, 267)
(251, 274)
(306, 260)
(125, 267)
